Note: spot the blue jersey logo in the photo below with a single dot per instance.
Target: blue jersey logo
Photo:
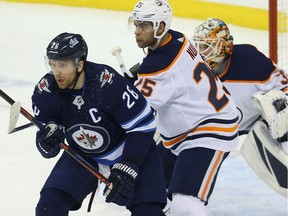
(90, 139)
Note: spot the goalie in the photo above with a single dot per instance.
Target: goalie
(248, 73)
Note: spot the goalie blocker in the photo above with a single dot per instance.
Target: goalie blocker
(266, 158)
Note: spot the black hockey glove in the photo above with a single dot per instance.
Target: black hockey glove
(123, 176)
(134, 71)
(48, 140)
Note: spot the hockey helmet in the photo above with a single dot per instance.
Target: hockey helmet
(67, 46)
(155, 11)
(213, 41)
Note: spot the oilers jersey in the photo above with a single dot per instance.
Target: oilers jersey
(107, 120)
(192, 105)
(250, 71)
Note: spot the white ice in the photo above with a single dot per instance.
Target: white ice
(25, 31)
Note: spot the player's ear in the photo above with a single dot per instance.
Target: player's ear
(161, 28)
(80, 66)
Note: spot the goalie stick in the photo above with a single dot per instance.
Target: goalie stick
(64, 146)
(116, 51)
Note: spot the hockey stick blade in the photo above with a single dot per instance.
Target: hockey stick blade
(14, 115)
(25, 113)
(22, 127)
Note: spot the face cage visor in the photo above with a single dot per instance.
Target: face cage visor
(49, 67)
(209, 48)
(144, 26)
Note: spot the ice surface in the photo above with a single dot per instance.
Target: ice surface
(26, 30)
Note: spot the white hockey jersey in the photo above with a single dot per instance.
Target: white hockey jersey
(192, 105)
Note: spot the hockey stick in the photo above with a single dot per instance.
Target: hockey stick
(116, 51)
(14, 115)
(64, 146)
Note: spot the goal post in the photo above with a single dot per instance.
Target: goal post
(278, 34)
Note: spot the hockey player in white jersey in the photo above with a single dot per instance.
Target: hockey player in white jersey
(247, 73)
(196, 117)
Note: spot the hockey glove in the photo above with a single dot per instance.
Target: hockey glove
(134, 71)
(279, 125)
(273, 108)
(48, 140)
(123, 177)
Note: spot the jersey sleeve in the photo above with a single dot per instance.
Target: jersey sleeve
(132, 111)
(277, 80)
(44, 103)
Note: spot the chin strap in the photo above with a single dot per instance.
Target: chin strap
(156, 45)
(75, 80)
(158, 39)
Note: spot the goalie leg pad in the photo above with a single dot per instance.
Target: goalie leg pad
(264, 156)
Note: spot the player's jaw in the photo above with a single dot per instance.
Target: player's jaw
(64, 81)
(145, 42)
(140, 42)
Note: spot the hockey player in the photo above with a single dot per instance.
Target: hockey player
(107, 121)
(248, 73)
(196, 117)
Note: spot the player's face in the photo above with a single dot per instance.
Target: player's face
(64, 72)
(206, 49)
(144, 34)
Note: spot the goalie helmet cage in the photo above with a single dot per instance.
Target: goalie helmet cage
(278, 34)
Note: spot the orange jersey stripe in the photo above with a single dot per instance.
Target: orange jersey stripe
(183, 136)
(211, 175)
(169, 66)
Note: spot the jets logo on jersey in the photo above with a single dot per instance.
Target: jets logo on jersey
(106, 77)
(91, 139)
(43, 85)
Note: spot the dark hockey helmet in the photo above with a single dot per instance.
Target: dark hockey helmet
(67, 46)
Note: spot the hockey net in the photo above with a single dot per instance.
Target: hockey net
(278, 34)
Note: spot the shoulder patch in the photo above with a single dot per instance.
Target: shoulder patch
(43, 85)
(106, 77)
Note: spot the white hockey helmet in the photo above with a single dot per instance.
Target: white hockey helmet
(154, 11)
(213, 41)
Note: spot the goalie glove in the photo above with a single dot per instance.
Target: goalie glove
(272, 106)
(279, 125)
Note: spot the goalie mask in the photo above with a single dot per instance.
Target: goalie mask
(155, 11)
(213, 41)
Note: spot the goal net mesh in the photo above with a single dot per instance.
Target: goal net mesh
(282, 34)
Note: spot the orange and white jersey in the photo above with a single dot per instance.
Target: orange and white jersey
(192, 105)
